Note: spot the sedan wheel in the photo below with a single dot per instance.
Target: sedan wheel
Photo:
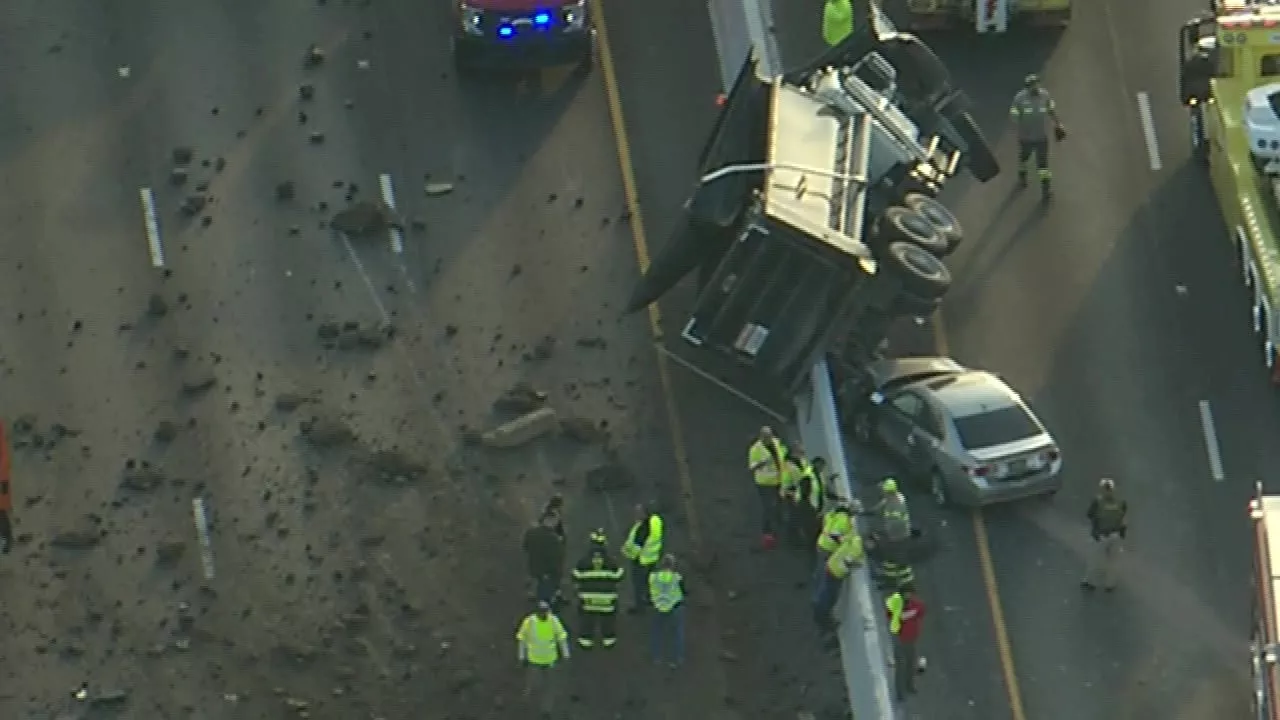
(938, 488)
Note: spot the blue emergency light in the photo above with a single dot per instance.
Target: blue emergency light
(506, 31)
(542, 19)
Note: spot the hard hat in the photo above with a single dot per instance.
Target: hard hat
(598, 537)
(1031, 79)
(544, 605)
(1106, 484)
(854, 506)
(889, 485)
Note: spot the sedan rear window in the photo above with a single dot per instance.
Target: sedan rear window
(997, 427)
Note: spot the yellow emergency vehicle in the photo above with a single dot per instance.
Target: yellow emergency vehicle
(987, 16)
(1264, 510)
(1230, 84)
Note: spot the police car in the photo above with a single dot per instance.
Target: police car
(522, 33)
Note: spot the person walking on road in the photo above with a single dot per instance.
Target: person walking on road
(666, 588)
(905, 612)
(597, 577)
(837, 21)
(644, 549)
(541, 643)
(838, 566)
(544, 556)
(1108, 525)
(766, 458)
(1032, 112)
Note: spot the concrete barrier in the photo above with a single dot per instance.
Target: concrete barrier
(862, 633)
(739, 26)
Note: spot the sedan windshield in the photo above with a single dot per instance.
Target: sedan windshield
(996, 427)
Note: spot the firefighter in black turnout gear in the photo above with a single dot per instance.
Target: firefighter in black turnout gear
(597, 577)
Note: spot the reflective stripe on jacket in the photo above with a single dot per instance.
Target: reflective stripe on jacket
(541, 639)
(597, 578)
(666, 588)
(1032, 111)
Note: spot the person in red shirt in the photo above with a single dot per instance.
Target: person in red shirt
(905, 612)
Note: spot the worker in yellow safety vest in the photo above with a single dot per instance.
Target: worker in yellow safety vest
(643, 548)
(766, 459)
(809, 495)
(837, 21)
(848, 556)
(541, 642)
(666, 587)
(837, 524)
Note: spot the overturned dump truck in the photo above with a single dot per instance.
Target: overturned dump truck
(815, 222)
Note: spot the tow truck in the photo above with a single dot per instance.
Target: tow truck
(815, 223)
(987, 16)
(502, 34)
(1264, 511)
(1229, 82)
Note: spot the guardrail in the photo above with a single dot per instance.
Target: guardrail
(738, 26)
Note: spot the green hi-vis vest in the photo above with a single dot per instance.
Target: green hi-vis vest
(541, 639)
(837, 21)
(846, 557)
(652, 550)
(665, 590)
(836, 524)
(764, 465)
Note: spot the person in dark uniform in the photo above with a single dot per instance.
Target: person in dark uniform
(544, 556)
(597, 576)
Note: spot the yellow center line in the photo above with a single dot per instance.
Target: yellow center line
(676, 427)
(989, 583)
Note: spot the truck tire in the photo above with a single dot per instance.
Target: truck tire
(913, 306)
(921, 75)
(901, 224)
(921, 273)
(940, 216)
(979, 157)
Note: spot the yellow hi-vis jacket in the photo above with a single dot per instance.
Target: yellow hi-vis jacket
(836, 525)
(542, 642)
(846, 557)
(651, 551)
(837, 21)
(767, 467)
(794, 471)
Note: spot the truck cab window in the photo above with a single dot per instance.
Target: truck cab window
(1269, 66)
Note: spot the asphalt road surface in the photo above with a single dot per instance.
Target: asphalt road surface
(1118, 311)
(320, 394)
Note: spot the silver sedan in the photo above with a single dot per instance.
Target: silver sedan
(964, 432)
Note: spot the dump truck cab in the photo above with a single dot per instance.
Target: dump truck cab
(518, 34)
(814, 221)
(987, 16)
(1229, 80)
